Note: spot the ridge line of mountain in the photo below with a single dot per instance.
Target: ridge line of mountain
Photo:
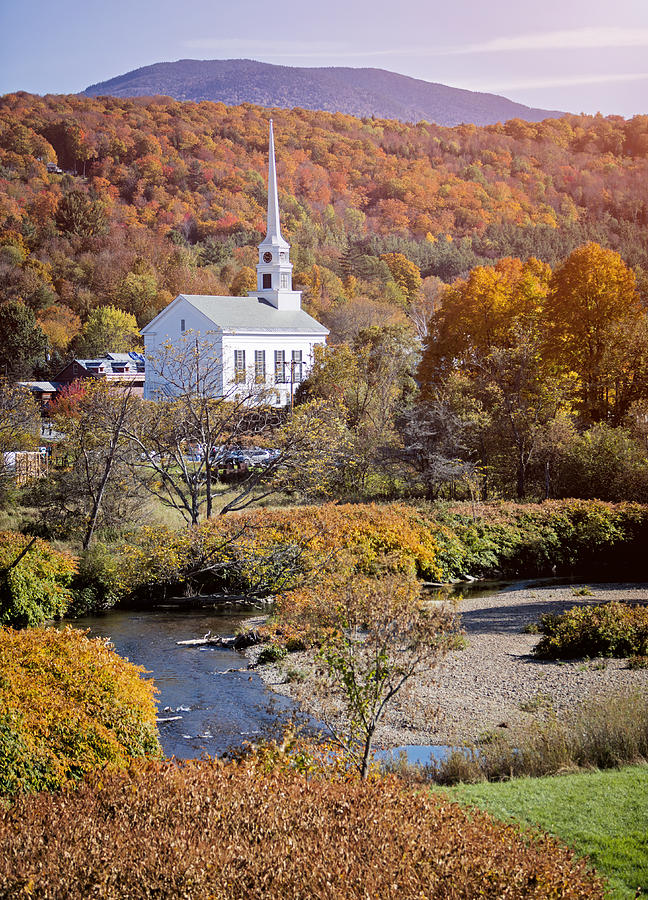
(362, 92)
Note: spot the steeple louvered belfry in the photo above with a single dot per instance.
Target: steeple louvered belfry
(274, 269)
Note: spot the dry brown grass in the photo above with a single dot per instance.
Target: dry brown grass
(229, 831)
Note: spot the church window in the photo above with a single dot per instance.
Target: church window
(259, 365)
(280, 366)
(284, 280)
(239, 365)
(267, 280)
(182, 325)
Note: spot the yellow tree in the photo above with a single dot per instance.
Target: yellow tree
(405, 273)
(108, 330)
(591, 292)
(245, 280)
(489, 329)
(483, 312)
(60, 325)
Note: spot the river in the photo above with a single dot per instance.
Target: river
(210, 700)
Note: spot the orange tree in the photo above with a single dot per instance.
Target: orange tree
(488, 332)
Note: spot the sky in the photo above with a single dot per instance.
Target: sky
(573, 55)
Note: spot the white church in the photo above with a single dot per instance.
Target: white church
(265, 338)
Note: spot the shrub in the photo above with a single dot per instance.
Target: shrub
(559, 536)
(638, 662)
(95, 588)
(271, 653)
(36, 586)
(266, 551)
(228, 831)
(608, 629)
(67, 705)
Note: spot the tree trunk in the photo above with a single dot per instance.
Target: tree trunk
(94, 515)
(521, 477)
(366, 755)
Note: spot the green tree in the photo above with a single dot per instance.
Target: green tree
(23, 344)
(138, 294)
(78, 214)
(372, 380)
(107, 330)
(34, 580)
(380, 638)
(19, 417)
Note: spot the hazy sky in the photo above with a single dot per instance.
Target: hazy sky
(575, 55)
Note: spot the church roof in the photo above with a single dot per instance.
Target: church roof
(249, 315)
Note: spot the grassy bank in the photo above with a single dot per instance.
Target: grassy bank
(603, 815)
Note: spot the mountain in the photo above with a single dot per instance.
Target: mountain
(357, 92)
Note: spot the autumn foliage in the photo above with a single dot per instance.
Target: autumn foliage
(214, 830)
(268, 550)
(68, 705)
(604, 629)
(160, 197)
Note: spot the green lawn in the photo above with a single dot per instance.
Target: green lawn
(603, 815)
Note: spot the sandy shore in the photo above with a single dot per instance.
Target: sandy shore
(489, 684)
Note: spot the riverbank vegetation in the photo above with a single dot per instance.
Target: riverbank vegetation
(68, 706)
(241, 830)
(267, 552)
(604, 732)
(611, 629)
(35, 580)
(270, 551)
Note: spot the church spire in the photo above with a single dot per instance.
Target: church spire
(274, 226)
(273, 234)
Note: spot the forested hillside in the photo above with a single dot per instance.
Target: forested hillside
(358, 92)
(157, 197)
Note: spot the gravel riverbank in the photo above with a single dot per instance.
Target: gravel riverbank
(489, 684)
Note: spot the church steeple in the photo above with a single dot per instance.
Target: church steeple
(274, 269)
(273, 234)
